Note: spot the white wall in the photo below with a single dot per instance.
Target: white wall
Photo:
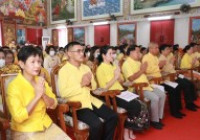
(143, 33)
(181, 31)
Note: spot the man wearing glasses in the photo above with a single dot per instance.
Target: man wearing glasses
(75, 81)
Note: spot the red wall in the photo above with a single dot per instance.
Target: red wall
(162, 32)
(102, 35)
(34, 36)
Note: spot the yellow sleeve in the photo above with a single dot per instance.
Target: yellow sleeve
(101, 77)
(127, 70)
(18, 112)
(186, 63)
(68, 85)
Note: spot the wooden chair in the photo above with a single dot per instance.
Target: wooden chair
(5, 79)
(69, 123)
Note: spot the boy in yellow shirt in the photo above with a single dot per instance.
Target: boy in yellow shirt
(75, 82)
(134, 71)
(153, 70)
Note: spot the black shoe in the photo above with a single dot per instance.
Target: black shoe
(162, 124)
(156, 125)
(191, 108)
(196, 106)
(178, 116)
(182, 114)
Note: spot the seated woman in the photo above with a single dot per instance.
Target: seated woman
(2, 58)
(28, 97)
(109, 77)
(9, 57)
(188, 61)
(51, 60)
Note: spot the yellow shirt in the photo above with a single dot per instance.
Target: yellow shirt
(186, 61)
(153, 69)
(69, 83)
(168, 67)
(130, 67)
(19, 94)
(105, 73)
(44, 73)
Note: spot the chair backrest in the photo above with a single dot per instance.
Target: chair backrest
(54, 78)
(5, 80)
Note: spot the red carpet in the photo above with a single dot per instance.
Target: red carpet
(187, 128)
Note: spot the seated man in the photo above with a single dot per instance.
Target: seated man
(185, 84)
(153, 70)
(28, 97)
(134, 71)
(75, 81)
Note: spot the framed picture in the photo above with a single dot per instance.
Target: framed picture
(146, 6)
(55, 33)
(9, 33)
(127, 33)
(194, 35)
(79, 35)
(62, 10)
(93, 9)
(21, 35)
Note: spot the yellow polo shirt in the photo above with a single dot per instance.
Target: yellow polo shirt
(186, 61)
(153, 69)
(19, 94)
(130, 67)
(105, 73)
(168, 67)
(69, 84)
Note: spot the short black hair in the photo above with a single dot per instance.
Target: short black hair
(193, 44)
(49, 48)
(187, 48)
(176, 47)
(71, 44)
(163, 47)
(27, 51)
(130, 49)
(103, 50)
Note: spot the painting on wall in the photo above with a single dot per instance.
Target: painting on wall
(79, 35)
(146, 6)
(93, 9)
(9, 33)
(31, 12)
(55, 40)
(127, 33)
(194, 30)
(21, 36)
(62, 10)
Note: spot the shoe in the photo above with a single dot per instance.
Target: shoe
(156, 125)
(178, 116)
(182, 114)
(162, 124)
(191, 108)
(196, 106)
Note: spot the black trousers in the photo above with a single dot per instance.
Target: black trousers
(133, 107)
(188, 89)
(99, 130)
(174, 98)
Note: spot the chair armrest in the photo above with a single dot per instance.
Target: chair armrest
(61, 110)
(74, 106)
(4, 124)
(156, 80)
(139, 89)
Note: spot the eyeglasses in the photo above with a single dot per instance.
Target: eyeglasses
(78, 51)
